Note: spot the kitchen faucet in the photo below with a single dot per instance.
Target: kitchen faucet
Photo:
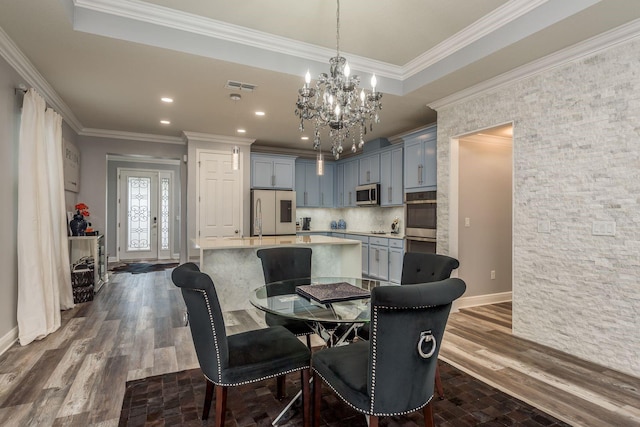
(257, 222)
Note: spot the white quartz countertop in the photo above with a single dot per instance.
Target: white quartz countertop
(388, 235)
(265, 241)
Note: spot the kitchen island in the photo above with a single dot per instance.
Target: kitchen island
(236, 270)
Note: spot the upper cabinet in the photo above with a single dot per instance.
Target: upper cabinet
(391, 189)
(420, 160)
(272, 171)
(350, 181)
(369, 166)
(313, 190)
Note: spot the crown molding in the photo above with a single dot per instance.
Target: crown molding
(183, 21)
(220, 139)
(576, 52)
(130, 136)
(134, 158)
(19, 62)
(500, 17)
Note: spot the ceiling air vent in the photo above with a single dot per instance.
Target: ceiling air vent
(233, 85)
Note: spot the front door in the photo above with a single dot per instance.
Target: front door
(138, 223)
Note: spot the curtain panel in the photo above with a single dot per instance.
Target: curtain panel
(44, 278)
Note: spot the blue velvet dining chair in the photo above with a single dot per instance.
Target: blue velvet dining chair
(393, 372)
(232, 360)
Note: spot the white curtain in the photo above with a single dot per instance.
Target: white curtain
(44, 278)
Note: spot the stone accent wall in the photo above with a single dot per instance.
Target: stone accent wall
(576, 160)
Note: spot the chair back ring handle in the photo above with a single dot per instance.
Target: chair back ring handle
(425, 337)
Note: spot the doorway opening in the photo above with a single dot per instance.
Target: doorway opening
(481, 216)
(143, 209)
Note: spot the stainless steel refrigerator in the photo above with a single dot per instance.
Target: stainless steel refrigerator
(273, 211)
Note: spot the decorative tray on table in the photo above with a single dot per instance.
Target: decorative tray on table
(332, 292)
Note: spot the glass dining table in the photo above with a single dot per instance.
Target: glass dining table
(334, 307)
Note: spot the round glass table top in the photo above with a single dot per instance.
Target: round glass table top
(318, 299)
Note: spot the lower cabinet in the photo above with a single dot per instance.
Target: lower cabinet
(379, 258)
(396, 256)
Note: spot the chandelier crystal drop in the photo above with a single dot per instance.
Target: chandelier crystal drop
(337, 104)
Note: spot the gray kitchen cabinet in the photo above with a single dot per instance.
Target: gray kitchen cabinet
(391, 188)
(350, 183)
(327, 199)
(369, 169)
(396, 255)
(420, 160)
(307, 184)
(379, 258)
(272, 172)
(339, 185)
(313, 190)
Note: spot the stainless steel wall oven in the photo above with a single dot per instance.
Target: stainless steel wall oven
(420, 221)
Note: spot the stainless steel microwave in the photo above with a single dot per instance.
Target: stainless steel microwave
(368, 195)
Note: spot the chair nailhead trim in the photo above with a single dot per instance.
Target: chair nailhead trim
(213, 331)
(364, 411)
(215, 340)
(374, 352)
(223, 384)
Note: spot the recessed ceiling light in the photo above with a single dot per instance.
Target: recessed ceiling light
(241, 131)
(259, 113)
(165, 122)
(166, 99)
(304, 138)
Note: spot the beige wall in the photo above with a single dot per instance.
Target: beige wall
(484, 194)
(9, 133)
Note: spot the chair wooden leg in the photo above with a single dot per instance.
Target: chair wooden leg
(309, 341)
(221, 404)
(306, 397)
(207, 400)
(373, 421)
(281, 387)
(439, 388)
(428, 414)
(317, 398)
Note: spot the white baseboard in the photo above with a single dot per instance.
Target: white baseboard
(474, 301)
(9, 339)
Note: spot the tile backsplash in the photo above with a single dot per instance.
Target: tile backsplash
(361, 219)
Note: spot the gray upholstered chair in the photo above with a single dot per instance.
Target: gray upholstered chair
(423, 268)
(392, 373)
(237, 359)
(286, 263)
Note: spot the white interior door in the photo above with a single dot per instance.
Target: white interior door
(219, 196)
(138, 233)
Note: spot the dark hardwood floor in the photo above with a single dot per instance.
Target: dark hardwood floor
(135, 328)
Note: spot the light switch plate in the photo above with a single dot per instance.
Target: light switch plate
(603, 228)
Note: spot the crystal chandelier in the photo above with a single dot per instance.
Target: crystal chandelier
(336, 104)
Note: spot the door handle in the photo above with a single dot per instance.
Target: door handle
(389, 194)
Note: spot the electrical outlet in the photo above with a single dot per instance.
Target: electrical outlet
(544, 226)
(467, 222)
(493, 274)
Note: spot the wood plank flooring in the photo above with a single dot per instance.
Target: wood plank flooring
(135, 328)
